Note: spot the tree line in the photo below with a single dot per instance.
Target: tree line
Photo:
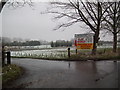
(17, 43)
(61, 43)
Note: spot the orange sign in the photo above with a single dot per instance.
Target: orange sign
(84, 46)
(84, 41)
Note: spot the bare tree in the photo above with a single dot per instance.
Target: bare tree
(112, 21)
(77, 11)
(15, 3)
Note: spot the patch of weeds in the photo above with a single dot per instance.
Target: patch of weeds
(98, 56)
(10, 72)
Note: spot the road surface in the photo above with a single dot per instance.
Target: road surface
(63, 74)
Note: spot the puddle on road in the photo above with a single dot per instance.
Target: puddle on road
(79, 66)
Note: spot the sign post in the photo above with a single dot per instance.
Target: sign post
(84, 41)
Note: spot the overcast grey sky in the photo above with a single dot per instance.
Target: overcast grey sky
(27, 22)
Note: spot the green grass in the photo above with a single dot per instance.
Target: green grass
(10, 72)
(102, 54)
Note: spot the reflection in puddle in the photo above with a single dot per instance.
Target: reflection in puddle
(68, 64)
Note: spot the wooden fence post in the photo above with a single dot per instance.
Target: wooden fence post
(8, 58)
(76, 51)
(3, 58)
(69, 52)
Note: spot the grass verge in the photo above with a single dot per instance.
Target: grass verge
(102, 54)
(106, 56)
(10, 73)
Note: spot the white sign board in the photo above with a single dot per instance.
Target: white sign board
(84, 41)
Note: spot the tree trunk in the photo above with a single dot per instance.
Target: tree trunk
(96, 35)
(95, 41)
(94, 46)
(115, 30)
(114, 43)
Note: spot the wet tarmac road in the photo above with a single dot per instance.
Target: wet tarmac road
(63, 74)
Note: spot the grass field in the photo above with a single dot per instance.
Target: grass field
(62, 53)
